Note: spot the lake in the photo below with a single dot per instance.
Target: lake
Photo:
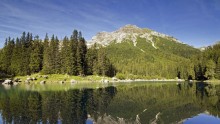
(113, 103)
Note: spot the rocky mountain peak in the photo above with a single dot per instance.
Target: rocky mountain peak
(127, 32)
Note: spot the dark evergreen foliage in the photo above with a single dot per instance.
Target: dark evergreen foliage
(51, 56)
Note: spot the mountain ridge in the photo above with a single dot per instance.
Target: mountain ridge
(128, 32)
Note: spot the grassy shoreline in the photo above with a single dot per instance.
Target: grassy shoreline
(56, 78)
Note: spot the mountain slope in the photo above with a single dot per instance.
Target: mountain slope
(146, 53)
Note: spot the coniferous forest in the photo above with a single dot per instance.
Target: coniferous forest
(27, 55)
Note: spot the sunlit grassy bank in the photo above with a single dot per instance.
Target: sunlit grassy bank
(56, 78)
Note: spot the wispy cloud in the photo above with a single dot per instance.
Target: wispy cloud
(60, 17)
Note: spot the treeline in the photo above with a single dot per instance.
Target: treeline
(207, 64)
(27, 55)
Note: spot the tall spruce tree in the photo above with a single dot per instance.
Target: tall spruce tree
(91, 57)
(64, 56)
(56, 52)
(16, 58)
(26, 50)
(54, 55)
(73, 53)
(81, 57)
(36, 56)
(46, 56)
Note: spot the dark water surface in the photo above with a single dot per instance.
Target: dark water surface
(119, 103)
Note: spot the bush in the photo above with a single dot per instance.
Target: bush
(120, 76)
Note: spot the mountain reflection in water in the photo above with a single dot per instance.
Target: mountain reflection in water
(125, 103)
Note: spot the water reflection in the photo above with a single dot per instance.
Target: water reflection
(138, 103)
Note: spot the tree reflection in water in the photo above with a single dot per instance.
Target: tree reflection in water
(144, 103)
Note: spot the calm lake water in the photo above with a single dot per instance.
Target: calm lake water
(119, 103)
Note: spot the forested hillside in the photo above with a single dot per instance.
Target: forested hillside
(169, 60)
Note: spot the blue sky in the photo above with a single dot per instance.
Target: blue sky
(195, 22)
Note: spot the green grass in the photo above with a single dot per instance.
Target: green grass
(56, 78)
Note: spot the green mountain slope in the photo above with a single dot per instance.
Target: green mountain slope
(148, 57)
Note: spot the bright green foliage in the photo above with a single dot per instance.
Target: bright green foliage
(207, 63)
(217, 71)
(210, 69)
(120, 76)
(148, 62)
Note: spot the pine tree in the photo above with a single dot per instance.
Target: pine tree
(16, 58)
(36, 56)
(64, 56)
(73, 53)
(46, 56)
(91, 59)
(26, 50)
(101, 64)
(57, 56)
(54, 55)
(81, 57)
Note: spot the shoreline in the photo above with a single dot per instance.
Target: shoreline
(61, 78)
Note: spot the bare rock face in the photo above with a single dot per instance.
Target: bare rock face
(128, 32)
